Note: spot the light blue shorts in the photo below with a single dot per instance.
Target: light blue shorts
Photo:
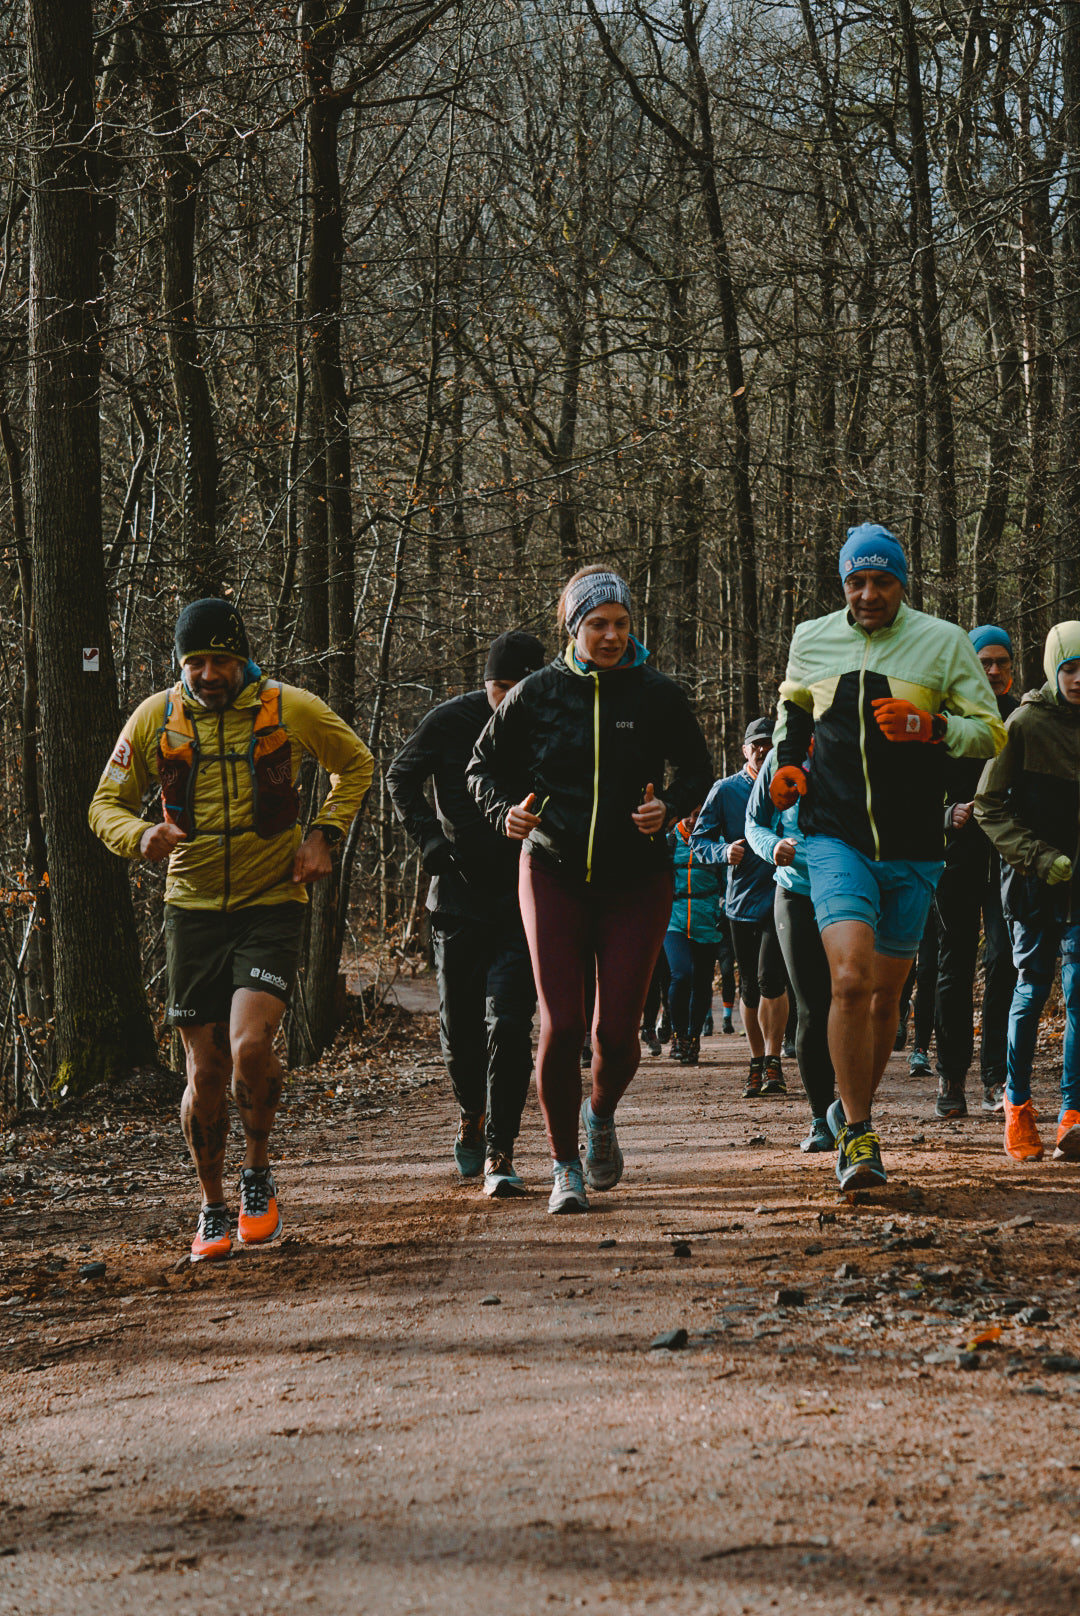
(893, 896)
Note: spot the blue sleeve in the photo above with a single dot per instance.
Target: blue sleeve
(762, 816)
(708, 843)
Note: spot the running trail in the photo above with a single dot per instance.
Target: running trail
(424, 1401)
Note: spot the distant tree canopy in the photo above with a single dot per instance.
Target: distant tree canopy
(404, 310)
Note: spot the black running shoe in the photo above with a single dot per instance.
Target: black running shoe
(691, 1051)
(858, 1157)
(650, 1041)
(773, 1076)
(753, 1082)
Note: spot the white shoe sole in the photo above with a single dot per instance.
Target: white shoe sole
(1068, 1147)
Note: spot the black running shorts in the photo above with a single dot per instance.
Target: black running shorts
(211, 955)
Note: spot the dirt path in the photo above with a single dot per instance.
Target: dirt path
(425, 1402)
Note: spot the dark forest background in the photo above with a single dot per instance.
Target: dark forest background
(381, 318)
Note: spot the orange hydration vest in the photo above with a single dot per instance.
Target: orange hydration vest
(275, 800)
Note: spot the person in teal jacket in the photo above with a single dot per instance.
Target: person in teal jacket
(691, 942)
(777, 838)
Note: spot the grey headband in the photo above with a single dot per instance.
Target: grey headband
(584, 595)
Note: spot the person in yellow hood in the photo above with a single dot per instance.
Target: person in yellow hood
(1028, 803)
(225, 745)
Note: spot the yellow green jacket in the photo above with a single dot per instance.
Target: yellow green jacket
(885, 799)
(226, 865)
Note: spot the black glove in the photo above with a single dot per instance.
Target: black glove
(439, 857)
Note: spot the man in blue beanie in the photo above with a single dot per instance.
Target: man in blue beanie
(969, 899)
(886, 694)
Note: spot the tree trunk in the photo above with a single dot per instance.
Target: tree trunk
(203, 565)
(102, 1021)
(1069, 455)
(930, 321)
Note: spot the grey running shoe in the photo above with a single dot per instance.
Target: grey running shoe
(500, 1180)
(568, 1190)
(918, 1063)
(469, 1147)
(951, 1100)
(993, 1098)
(603, 1158)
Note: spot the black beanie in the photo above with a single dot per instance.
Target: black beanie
(211, 628)
(513, 655)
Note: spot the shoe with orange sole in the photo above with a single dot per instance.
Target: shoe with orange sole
(1068, 1138)
(1022, 1140)
(258, 1221)
(212, 1241)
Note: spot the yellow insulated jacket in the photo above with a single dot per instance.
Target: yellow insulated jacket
(226, 864)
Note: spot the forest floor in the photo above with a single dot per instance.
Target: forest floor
(420, 1400)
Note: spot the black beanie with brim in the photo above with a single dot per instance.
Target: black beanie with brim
(211, 627)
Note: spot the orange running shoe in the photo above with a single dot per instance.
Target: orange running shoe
(258, 1221)
(1068, 1138)
(1022, 1140)
(212, 1241)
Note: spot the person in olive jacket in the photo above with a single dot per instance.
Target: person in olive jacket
(1028, 803)
(486, 992)
(573, 765)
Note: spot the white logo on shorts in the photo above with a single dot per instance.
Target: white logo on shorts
(268, 976)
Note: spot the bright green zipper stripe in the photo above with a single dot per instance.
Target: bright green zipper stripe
(862, 750)
(596, 774)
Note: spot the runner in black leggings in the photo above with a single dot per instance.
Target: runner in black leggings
(776, 837)
(720, 838)
(573, 764)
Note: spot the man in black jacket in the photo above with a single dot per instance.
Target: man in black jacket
(486, 990)
(969, 892)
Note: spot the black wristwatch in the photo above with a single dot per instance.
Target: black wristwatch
(330, 834)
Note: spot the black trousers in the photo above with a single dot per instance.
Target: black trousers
(969, 900)
(725, 956)
(922, 979)
(486, 1003)
(811, 984)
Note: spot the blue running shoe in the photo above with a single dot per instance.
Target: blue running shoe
(835, 1119)
(568, 1190)
(858, 1158)
(469, 1147)
(603, 1158)
(819, 1138)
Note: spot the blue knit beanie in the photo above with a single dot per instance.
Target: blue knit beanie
(872, 548)
(990, 634)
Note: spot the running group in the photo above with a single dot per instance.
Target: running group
(582, 855)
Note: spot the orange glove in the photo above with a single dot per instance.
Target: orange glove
(787, 786)
(900, 720)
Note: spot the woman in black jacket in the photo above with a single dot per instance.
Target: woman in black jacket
(573, 765)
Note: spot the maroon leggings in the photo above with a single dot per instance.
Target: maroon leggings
(567, 924)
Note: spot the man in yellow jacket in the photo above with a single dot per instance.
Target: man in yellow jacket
(225, 745)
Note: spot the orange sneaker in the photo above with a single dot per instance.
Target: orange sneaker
(1068, 1138)
(212, 1241)
(1022, 1140)
(258, 1221)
